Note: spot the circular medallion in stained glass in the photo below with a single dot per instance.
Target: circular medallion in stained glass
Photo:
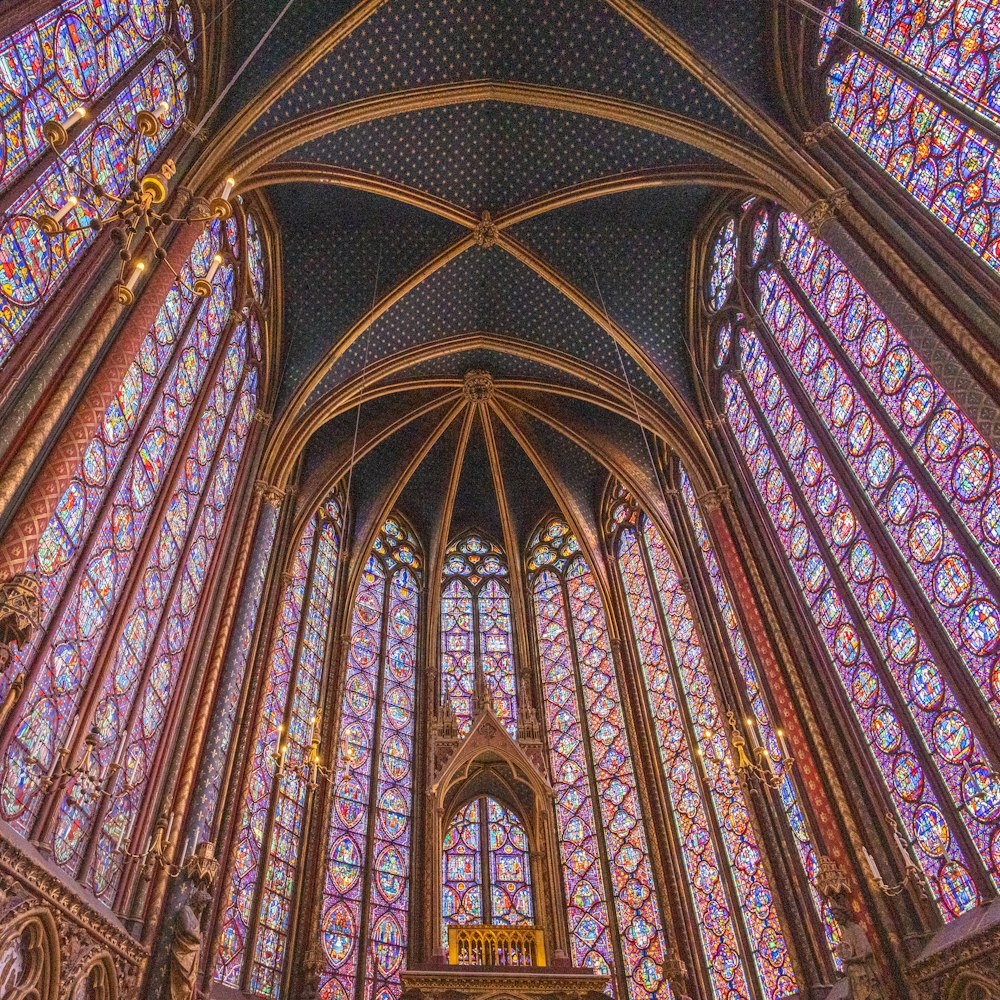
(338, 934)
(952, 737)
(874, 344)
(345, 864)
(931, 831)
(886, 730)
(825, 380)
(859, 434)
(944, 435)
(393, 813)
(926, 686)
(831, 607)
(847, 645)
(398, 708)
(959, 891)
(351, 798)
(364, 646)
(402, 615)
(902, 640)
(980, 626)
(355, 744)
(799, 541)
(390, 873)
(843, 405)
(828, 495)
(907, 777)
(865, 687)
(395, 758)
(880, 465)
(25, 262)
(902, 500)
(895, 369)
(76, 56)
(881, 598)
(973, 473)
(811, 354)
(917, 401)
(842, 525)
(862, 562)
(812, 466)
(981, 789)
(359, 694)
(952, 580)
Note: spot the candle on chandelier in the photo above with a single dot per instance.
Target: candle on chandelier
(872, 866)
(78, 115)
(904, 848)
(71, 203)
(133, 278)
(780, 733)
(170, 827)
(216, 261)
(227, 188)
(162, 108)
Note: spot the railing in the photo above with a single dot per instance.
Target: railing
(475, 944)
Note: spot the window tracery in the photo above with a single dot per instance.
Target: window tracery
(268, 846)
(364, 935)
(611, 899)
(948, 165)
(880, 491)
(106, 58)
(476, 632)
(730, 889)
(487, 867)
(122, 565)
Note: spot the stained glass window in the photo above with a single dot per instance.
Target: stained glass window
(884, 499)
(761, 722)
(477, 643)
(370, 827)
(123, 562)
(268, 842)
(487, 867)
(707, 800)
(602, 835)
(104, 57)
(949, 166)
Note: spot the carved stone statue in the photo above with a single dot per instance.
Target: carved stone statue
(855, 951)
(185, 948)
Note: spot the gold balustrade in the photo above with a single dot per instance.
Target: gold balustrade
(475, 944)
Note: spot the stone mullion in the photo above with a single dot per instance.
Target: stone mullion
(265, 840)
(312, 854)
(700, 772)
(604, 857)
(926, 622)
(114, 636)
(784, 638)
(779, 855)
(364, 909)
(902, 713)
(684, 953)
(241, 762)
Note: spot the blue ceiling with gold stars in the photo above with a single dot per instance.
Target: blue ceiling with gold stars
(600, 209)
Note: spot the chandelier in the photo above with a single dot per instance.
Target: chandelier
(135, 214)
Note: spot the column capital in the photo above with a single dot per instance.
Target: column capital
(711, 501)
(814, 136)
(823, 211)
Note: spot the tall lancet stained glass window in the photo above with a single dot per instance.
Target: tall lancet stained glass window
(477, 642)
(726, 878)
(124, 562)
(111, 59)
(366, 882)
(611, 899)
(486, 868)
(763, 730)
(885, 503)
(268, 847)
(925, 142)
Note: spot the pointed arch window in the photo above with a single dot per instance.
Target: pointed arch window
(611, 899)
(487, 867)
(123, 563)
(477, 641)
(762, 720)
(885, 502)
(366, 884)
(909, 89)
(729, 886)
(112, 59)
(254, 937)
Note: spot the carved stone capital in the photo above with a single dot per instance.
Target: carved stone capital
(814, 136)
(711, 501)
(271, 495)
(20, 608)
(262, 417)
(486, 233)
(824, 211)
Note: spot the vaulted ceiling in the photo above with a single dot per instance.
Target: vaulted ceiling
(596, 134)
